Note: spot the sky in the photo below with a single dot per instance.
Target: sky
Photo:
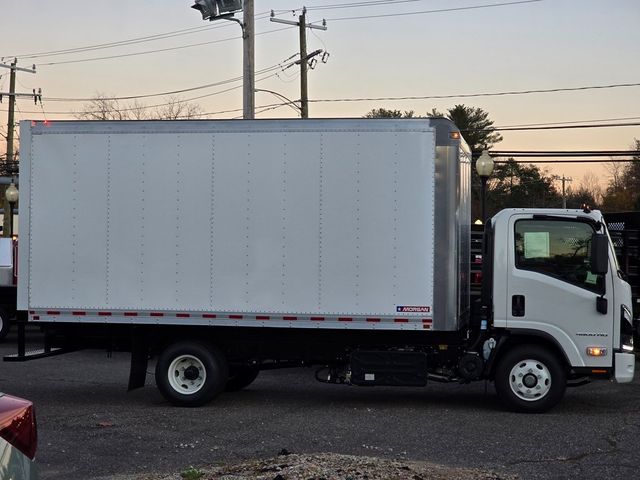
(404, 48)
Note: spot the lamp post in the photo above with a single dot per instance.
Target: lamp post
(11, 194)
(484, 167)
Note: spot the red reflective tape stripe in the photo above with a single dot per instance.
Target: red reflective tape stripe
(183, 315)
(208, 315)
(78, 314)
(290, 318)
(53, 312)
(345, 319)
(36, 317)
(317, 319)
(156, 314)
(262, 317)
(130, 314)
(427, 320)
(401, 320)
(104, 314)
(373, 320)
(235, 317)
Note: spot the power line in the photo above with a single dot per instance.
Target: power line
(188, 31)
(374, 3)
(564, 153)
(159, 50)
(556, 127)
(424, 12)
(567, 156)
(474, 95)
(130, 41)
(145, 107)
(611, 160)
(173, 92)
(569, 122)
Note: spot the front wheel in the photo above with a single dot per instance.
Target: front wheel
(190, 374)
(530, 379)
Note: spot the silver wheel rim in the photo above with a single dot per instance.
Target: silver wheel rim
(530, 380)
(187, 374)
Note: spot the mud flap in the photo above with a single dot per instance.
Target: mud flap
(139, 360)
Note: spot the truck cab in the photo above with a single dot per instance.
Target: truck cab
(557, 289)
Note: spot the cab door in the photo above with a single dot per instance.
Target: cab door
(550, 286)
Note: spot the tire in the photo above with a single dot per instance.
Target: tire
(240, 377)
(5, 323)
(191, 374)
(530, 379)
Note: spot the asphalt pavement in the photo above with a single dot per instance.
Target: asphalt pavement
(90, 427)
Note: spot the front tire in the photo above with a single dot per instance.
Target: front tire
(191, 374)
(530, 379)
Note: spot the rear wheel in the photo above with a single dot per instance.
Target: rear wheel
(190, 374)
(240, 377)
(530, 379)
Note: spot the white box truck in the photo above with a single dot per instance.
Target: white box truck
(230, 247)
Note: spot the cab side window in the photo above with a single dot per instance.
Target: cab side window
(559, 249)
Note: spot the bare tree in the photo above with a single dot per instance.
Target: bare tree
(590, 184)
(103, 107)
(138, 111)
(616, 172)
(176, 109)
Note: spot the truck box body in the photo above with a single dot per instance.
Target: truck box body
(270, 223)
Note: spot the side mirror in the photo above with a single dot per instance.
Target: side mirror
(599, 254)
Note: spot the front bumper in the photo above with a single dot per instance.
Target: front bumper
(624, 367)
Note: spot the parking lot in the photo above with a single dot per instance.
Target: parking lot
(90, 427)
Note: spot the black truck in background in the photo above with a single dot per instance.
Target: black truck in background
(624, 228)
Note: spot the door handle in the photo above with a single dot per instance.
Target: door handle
(517, 305)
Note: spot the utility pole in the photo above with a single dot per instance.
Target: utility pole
(225, 9)
(11, 125)
(563, 179)
(304, 94)
(304, 57)
(248, 71)
(11, 120)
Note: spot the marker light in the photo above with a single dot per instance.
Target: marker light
(596, 351)
(454, 135)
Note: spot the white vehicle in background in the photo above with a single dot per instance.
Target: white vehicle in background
(341, 243)
(18, 439)
(8, 284)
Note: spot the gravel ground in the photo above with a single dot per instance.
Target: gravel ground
(326, 466)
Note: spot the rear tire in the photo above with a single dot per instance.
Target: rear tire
(191, 374)
(241, 377)
(530, 379)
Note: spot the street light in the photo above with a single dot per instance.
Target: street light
(484, 167)
(11, 194)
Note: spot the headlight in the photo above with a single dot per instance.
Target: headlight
(626, 329)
